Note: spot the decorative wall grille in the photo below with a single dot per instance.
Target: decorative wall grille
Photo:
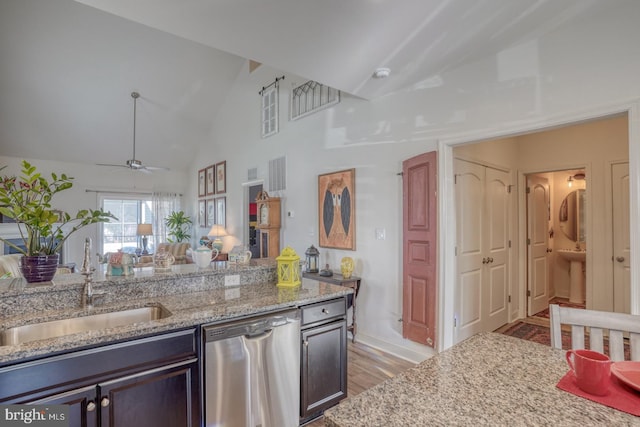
(278, 174)
(311, 97)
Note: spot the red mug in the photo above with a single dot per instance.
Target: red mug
(592, 370)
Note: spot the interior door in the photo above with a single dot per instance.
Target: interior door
(496, 231)
(419, 263)
(482, 218)
(621, 239)
(537, 243)
(470, 217)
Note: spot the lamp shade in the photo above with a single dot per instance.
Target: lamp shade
(144, 230)
(217, 231)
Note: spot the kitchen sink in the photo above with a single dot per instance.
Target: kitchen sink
(58, 328)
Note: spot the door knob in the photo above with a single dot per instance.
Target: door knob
(620, 259)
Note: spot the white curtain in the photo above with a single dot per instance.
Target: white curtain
(163, 205)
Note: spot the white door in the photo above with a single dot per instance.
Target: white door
(482, 218)
(496, 232)
(621, 243)
(537, 244)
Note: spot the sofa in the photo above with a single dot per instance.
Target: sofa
(180, 251)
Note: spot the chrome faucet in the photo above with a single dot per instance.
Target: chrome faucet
(88, 296)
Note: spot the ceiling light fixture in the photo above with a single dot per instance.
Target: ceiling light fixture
(381, 73)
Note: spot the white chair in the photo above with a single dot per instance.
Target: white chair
(617, 325)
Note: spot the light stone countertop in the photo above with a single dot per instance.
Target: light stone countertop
(193, 297)
(490, 380)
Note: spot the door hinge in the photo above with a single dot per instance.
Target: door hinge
(455, 321)
(509, 298)
(528, 241)
(528, 190)
(400, 174)
(528, 293)
(509, 188)
(455, 251)
(509, 243)
(455, 178)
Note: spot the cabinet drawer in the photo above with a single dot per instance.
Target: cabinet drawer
(323, 311)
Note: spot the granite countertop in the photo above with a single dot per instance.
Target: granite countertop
(489, 379)
(192, 297)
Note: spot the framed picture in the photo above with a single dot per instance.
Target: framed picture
(210, 186)
(337, 209)
(221, 211)
(202, 213)
(221, 177)
(202, 187)
(211, 212)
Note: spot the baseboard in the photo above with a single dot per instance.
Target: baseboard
(413, 356)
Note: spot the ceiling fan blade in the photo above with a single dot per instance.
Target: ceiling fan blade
(157, 168)
(112, 165)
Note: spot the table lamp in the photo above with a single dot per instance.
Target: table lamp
(144, 230)
(217, 231)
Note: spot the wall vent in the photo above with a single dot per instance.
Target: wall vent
(252, 174)
(278, 174)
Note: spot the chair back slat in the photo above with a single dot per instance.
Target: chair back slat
(599, 324)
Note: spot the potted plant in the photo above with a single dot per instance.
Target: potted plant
(179, 225)
(43, 230)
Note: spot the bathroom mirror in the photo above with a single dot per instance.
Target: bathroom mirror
(572, 222)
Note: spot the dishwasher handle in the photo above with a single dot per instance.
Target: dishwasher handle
(258, 335)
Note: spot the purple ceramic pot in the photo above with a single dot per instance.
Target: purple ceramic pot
(40, 268)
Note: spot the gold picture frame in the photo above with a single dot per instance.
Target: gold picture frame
(337, 210)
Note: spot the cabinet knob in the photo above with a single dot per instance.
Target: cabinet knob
(306, 343)
(325, 311)
(484, 260)
(104, 402)
(490, 259)
(620, 259)
(91, 406)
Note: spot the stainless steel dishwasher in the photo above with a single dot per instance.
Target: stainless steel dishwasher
(252, 372)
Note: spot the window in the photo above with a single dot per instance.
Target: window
(270, 111)
(121, 234)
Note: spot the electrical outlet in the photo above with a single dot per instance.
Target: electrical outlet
(291, 214)
(232, 280)
(231, 294)
(381, 234)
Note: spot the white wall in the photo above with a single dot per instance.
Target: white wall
(574, 73)
(94, 178)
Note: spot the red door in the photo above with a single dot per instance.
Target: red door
(419, 248)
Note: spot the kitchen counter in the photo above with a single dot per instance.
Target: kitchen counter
(488, 379)
(193, 297)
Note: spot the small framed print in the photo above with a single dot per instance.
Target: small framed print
(221, 211)
(202, 213)
(211, 212)
(221, 177)
(202, 187)
(210, 186)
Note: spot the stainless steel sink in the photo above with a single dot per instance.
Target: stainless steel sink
(58, 328)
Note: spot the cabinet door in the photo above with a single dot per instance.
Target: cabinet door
(163, 397)
(323, 367)
(82, 406)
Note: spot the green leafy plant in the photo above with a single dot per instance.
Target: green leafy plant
(27, 200)
(179, 225)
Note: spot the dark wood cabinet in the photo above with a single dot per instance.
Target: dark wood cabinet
(323, 378)
(151, 381)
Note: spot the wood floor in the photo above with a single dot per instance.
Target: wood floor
(368, 367)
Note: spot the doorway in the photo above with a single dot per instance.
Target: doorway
(253, 231)
(556, 240)
(592, 146)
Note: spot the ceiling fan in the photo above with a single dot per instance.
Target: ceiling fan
(133, 163)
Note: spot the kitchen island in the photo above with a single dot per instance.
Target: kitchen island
(193, 297)
(489, 379)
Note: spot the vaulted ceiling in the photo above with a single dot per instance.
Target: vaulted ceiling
(67, 67)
